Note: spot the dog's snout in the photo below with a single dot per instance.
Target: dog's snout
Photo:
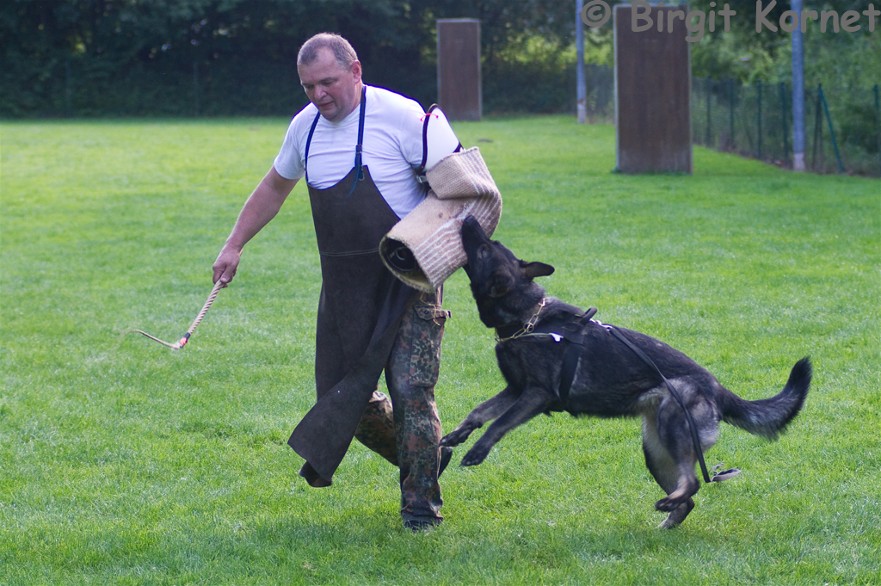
(470, 224)
(471, 221)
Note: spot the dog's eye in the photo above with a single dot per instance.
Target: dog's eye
(483, 252)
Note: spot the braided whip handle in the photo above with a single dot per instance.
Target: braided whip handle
(186, 337)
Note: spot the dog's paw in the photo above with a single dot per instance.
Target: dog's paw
(449, 441)
(677, 515)
(456, 437)
(668, 504)
(475, 456)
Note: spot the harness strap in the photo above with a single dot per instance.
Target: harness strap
(695, 439)
(571, 356)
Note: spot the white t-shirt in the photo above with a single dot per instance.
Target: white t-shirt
(392, 148)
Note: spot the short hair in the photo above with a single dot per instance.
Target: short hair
(342, 49)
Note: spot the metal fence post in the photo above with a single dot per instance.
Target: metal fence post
(822, 97)
(580, 84)
(798, 91)
(751, 115)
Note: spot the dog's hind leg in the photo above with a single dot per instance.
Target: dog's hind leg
(530, 403)
(671, 438)
(486, 411)
(670, 457)
(663, 468)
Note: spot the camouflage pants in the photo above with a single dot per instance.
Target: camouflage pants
(406, 429)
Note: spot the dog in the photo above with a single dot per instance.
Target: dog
(609, 372)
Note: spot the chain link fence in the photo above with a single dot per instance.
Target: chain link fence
(600, 93)
(842, 125)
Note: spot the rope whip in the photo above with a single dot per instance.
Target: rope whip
(186, 337)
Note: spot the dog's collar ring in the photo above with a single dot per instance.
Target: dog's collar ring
(529, 326)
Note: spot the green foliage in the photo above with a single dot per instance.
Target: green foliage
(725, 56)
(852, 103)
(176, 57)
(236, 57)
(536, 64)
(212, 57)
(124, 463)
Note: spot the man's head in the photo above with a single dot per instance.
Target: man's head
(330, 73)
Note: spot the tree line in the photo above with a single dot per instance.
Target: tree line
(237, 57)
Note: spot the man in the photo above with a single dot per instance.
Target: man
(357, 146)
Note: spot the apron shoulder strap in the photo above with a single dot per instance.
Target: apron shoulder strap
(359, 172)
(308, 144)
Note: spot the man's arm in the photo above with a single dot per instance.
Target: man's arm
(261, 207)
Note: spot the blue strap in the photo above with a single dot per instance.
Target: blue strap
(309, 143)
(359, 171)
(359, 175)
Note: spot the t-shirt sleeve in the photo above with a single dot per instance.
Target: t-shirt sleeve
(290, 161)
(411, 133)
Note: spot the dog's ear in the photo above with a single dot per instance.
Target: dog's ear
(537, 269)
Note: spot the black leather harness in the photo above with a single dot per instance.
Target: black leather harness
(573, 353)
(575, 333)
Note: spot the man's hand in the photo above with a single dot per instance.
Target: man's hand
(260, 208)
(226, 264)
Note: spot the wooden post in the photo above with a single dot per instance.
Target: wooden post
(458, 68)
(652, 92)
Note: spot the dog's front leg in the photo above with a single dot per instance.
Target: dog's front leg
(530, 403)
(486, 411)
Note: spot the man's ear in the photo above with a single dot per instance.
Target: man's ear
(537, 269)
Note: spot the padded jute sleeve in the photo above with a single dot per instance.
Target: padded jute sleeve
(460, 185)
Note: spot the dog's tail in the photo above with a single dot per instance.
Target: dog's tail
(769, 417)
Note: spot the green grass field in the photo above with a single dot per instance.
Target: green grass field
(122, 462)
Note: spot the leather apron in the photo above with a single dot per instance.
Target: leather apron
(360, 307)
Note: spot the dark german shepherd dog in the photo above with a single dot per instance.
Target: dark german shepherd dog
(609, 372)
